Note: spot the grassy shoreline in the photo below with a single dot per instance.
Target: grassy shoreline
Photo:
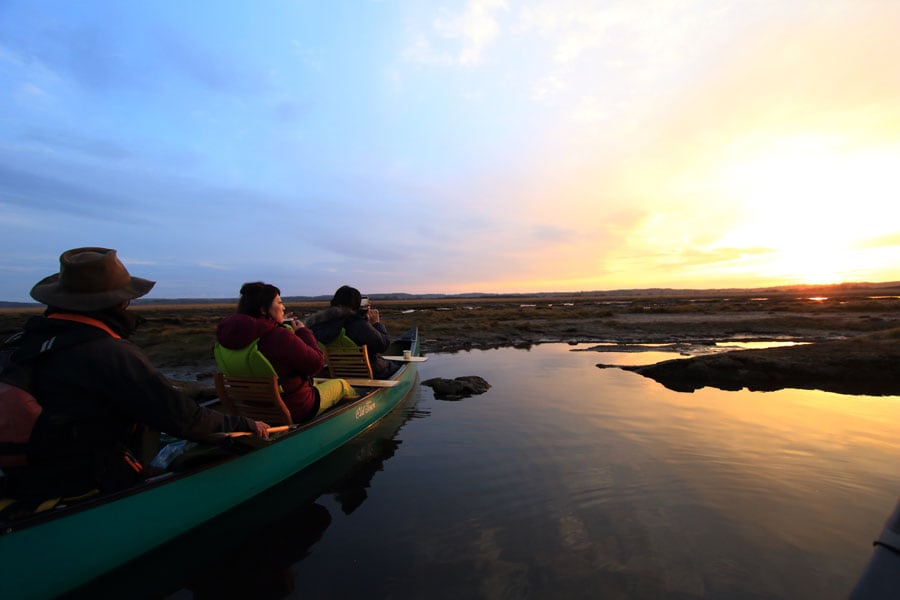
(180, 337)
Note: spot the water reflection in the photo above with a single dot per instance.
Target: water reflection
(565, 480)
(261, 565)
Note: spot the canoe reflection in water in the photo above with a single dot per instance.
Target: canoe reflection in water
(250, 551)
(261, 566)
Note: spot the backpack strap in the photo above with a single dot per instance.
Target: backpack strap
(86, 321)
(25, 347)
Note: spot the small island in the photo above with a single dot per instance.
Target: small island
(864, 365)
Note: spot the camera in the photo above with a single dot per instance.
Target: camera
(364, 306)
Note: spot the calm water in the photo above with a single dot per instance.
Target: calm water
(569, 481)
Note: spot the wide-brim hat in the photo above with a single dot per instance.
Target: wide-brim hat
(89, 279)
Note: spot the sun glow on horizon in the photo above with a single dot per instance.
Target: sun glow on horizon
(813, 202)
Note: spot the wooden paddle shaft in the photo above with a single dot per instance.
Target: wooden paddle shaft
(278, 429)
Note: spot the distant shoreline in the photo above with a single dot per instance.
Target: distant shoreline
(838, 289)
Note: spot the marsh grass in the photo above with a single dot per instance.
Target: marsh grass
(182, 335)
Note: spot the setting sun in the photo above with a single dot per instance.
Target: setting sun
(813, 202)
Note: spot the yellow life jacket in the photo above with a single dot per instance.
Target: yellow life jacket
(341, 341)
(244, 362)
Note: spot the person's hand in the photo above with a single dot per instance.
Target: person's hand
(373, 316)
(262, 430)
(293, 321)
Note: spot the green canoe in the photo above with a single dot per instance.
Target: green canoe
(53, 553)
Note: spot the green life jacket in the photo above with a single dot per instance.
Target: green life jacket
(341, 341)
(244, 362)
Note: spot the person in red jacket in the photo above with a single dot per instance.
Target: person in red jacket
(290, 347)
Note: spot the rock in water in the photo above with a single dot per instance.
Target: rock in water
(458, 388)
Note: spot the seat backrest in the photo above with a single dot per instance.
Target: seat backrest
(255, 397)
(348, 361)
(245, 362)
(342, 340)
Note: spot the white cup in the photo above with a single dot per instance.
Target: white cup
(407, 355)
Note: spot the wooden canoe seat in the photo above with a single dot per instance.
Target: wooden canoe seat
(257, 398)
(348, 362)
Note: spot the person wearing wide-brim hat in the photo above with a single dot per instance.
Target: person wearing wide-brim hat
(95, 387)
(90, 279)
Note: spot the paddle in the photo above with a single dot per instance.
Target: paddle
(271, 430)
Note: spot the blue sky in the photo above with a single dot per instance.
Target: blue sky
(452, 146)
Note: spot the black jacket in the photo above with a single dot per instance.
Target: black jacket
(94, 395)
(326, 325)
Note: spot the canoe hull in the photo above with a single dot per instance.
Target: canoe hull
(50, 558)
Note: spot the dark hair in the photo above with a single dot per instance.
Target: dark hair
(256, 298)
(347, 296)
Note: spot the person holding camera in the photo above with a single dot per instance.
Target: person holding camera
(351, 313)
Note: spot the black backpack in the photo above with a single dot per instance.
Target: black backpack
(19, 409)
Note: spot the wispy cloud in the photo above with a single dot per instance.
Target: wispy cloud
(548, 87)
(55, 140)
(458, 39)
(205, 264)
(214, 69)
(86, 53)
(37, 191)
(311, 58)
(882, 241)
(477, 28)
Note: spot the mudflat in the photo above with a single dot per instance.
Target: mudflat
(847, 338)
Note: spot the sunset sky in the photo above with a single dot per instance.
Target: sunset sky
(480, 146)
